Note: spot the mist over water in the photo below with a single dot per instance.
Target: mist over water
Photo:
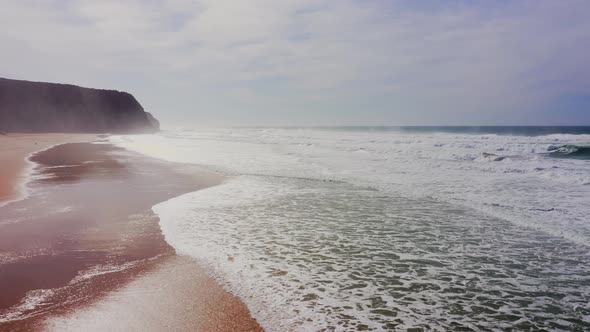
(353, 229)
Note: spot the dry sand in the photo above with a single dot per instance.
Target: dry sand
(85, 251)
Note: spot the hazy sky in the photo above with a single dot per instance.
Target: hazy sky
(314, 62)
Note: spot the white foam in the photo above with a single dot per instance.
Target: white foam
(449, 167)
(32, 300)
(334, 256)
(281, 234)
(102, 269)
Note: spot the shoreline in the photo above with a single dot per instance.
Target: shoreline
(15, 165)
(112, 257)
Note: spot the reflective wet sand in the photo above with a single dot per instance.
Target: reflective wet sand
(14, 149)
(87, 233)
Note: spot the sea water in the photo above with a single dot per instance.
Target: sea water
(387, 228)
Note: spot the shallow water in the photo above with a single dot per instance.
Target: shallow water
(348, 230)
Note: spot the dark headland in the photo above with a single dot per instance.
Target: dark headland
(34, 107)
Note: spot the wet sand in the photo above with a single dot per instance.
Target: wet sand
(86, 248)
(176, 295)
(14, 149)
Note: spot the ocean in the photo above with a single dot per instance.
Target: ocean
(389, 228)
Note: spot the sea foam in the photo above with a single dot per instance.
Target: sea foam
(383, 230)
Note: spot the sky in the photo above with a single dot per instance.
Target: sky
(314, 62)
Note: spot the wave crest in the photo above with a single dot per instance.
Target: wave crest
(569, 151)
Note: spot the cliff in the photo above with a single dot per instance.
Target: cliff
(48, 107)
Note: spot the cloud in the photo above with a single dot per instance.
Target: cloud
(311, 62)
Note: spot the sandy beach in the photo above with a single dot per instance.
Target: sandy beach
(85, 250)
(15, 148)
(288, 166)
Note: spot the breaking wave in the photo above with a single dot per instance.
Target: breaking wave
(570, 151)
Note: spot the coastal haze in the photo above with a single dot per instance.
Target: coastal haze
(321, 165)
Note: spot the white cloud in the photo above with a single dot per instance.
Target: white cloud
(216, 60)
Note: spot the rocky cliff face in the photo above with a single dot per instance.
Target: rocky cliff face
(48, 107)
